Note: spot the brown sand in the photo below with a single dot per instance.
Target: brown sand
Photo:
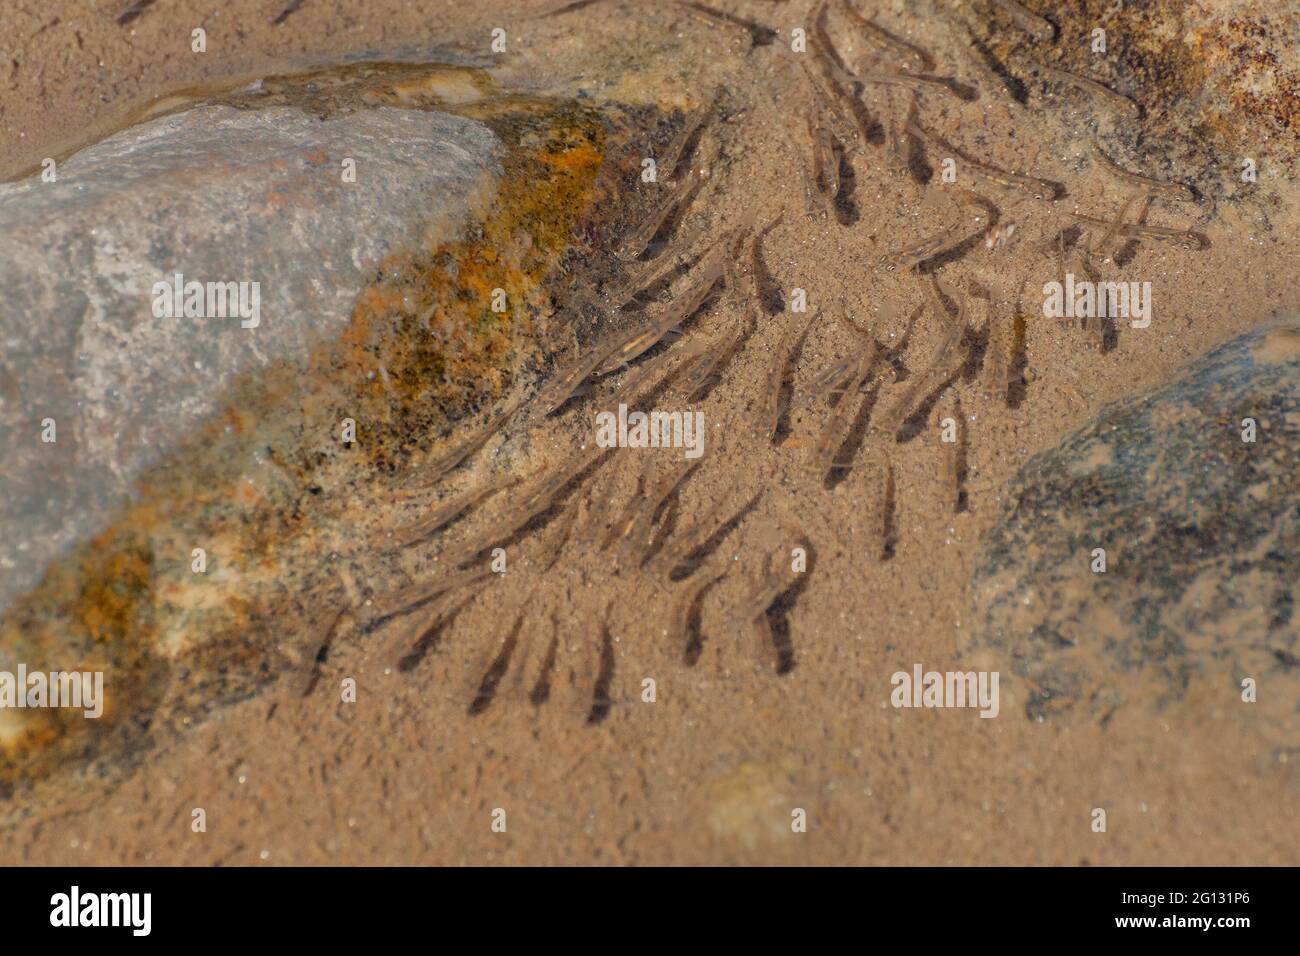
(711, 771)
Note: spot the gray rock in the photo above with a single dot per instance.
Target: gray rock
(218, 194)
(1202, 538)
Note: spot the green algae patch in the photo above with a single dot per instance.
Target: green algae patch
(272, 490)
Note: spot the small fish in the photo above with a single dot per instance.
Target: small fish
(997, 360)
(954, 454)
(1038, 188)
(779, 373)
(1115, 225)
(1116, 100)
(975, 57)
(759, 34)
(461, 450)
(941, 367)
(944, 241)
(563, 385)
(1172, 190)
(1037, 27)
(762, 595)
(573, 7)
(535, 500)
(635, 245)
(825, 162)
(669, 316)
(842, 84)
(679, 550)
(635, 541)
(415, 596)
(448, 512)
(714, 357)
(631, 392)
(1183, 237)
(911, 56)
(828, 99)
(623, 524)
(836, 429)
(833, 378)
(684, 625)
(911, 81)
(673, 156)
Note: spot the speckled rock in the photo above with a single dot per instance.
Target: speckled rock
(1201, 532)
(217, 194)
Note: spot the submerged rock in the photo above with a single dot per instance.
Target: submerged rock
(1201, 532)
(259, 198)
(209, 502)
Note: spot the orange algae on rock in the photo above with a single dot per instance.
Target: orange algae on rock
(266, 489)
